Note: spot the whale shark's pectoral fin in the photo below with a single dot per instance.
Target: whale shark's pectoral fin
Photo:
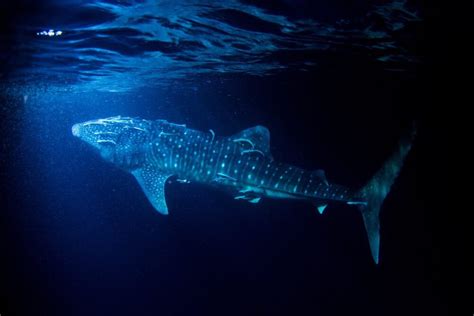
(153, 182)
(256, 138)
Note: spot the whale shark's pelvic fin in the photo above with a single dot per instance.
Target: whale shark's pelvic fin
(153, 182)
(256, 138)
(321, 208)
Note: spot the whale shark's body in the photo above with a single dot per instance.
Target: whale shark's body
(153, 151)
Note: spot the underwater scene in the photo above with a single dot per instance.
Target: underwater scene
(234, 157)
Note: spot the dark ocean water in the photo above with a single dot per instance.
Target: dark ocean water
(336, 84)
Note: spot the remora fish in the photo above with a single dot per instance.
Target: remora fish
(153, 151)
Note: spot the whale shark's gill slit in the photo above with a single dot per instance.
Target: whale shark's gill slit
(167, 134)
(222, 176)
(179, 125)
(105, 133)
(102, 141)
(251, 151)
(244, 140)
(137, 128)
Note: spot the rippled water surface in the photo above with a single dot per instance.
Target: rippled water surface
(119, 45)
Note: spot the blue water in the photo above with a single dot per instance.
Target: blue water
(335, 83)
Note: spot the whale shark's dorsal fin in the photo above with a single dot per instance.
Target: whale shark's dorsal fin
(255, 138)
(321, 175)
(153, 181)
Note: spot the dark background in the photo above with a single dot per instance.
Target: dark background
(78, 236)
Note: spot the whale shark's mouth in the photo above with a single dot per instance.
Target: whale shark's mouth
(76, 130)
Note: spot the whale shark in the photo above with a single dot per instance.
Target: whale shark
(155, 150)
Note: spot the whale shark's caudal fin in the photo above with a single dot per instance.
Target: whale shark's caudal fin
(375, 191)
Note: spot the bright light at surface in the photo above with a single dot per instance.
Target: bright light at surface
(49, 33)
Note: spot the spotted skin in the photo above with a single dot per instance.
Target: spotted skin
(153, 151)
(201, 157)
(240, 161)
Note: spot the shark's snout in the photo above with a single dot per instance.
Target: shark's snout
(76, 130)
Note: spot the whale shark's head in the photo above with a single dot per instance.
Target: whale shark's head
(119, 140)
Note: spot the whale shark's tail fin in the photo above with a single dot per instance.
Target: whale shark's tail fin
(375, 191)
